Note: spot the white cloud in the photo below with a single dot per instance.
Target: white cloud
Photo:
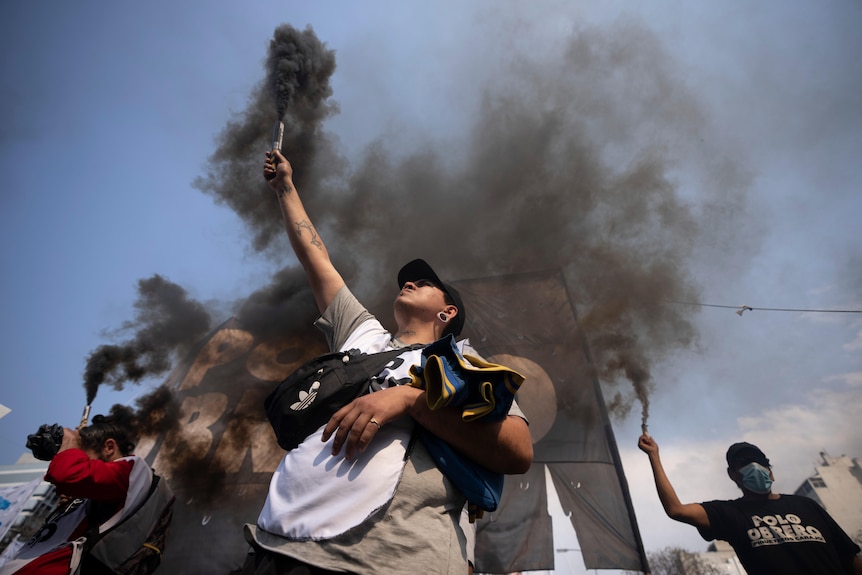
(856, 344)
(793, 434)
(853, 379)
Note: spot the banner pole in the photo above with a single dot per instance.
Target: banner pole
(609, 434)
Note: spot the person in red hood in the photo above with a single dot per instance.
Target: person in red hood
(99, 481)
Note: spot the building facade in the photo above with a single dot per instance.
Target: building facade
(837, 486)
(40, 504)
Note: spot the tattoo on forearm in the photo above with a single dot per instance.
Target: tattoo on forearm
(306, 225)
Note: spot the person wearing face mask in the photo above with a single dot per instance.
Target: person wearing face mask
(770, 532)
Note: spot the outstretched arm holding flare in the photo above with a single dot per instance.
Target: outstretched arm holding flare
(324, 279)
(691, 513)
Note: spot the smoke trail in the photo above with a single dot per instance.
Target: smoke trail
(167, 323)
(296, 88)
(284, 307)
(299, 67)
(575, 166)
(156, 413)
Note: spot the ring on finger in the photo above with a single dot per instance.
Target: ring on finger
(375, 422)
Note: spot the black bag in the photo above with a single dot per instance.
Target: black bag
(134, 546)
(309, 396)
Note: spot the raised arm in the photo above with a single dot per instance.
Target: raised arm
(691, 513)
(75, 474)
(324, 279)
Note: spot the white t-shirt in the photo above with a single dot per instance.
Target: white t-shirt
(377, 513)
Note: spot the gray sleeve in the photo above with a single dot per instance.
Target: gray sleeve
(343, 315)
(516, 410)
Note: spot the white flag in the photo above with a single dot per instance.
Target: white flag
(12, 499)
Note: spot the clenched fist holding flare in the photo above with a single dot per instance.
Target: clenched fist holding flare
(277, 139)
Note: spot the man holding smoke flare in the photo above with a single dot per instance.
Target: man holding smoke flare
(770, 532)
(356, 496)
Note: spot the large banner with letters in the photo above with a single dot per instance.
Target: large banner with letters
(220, 455)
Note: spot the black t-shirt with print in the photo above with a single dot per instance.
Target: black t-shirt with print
(790, 535)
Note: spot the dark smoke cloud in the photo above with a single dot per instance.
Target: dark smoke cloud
(575, 164)
(567, 167)
(166, 323)
(295, 89)
(299, 67)
(284, 307)
(155, 413)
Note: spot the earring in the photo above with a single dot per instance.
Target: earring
(443, 317)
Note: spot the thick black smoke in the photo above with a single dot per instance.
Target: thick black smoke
(296, 89)
(574, 165)
(157, 412)
(284, 307)
(595, 161)
(167, 323)
(299, 67)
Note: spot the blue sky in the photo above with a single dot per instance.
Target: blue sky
(110, 111)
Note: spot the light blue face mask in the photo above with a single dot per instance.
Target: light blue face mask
(755, 478)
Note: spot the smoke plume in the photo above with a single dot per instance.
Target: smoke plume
(296, 90)
(283, 307)
(299, 67)
(592, 161)
(574, 166)
(166, 323)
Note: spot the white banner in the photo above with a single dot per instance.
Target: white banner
(12, 499)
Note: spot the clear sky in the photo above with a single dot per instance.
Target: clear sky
(110, 110)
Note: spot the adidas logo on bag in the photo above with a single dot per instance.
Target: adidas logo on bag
(306, 397)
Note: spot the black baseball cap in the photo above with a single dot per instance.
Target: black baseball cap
(420, 270)
(741, 454)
